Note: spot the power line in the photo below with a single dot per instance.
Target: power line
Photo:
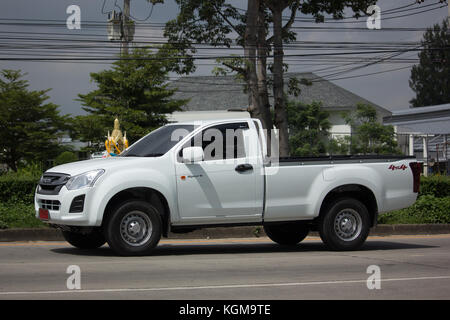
(79, 49)
(242, 57)
(365, 75)
(317, 80)
(384, 13)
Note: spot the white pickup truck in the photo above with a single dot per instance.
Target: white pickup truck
(186, 176)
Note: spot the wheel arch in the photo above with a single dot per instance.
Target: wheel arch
(355, 191)
(146, 194)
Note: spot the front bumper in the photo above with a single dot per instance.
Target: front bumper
(59, 207)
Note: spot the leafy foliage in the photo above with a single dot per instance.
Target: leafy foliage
(66, 157)
(218, 23)
(438, 186)
(339, 145)
(18, 187)
(430, 80)
(432, 206)
(18, 215)
(427, 209)
(31, 170)
(370, 136)
(308, 129)
(135, 90)
(29, 127)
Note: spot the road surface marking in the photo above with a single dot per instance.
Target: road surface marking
(231, 286)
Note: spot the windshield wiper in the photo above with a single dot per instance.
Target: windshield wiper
(142, 155)
(154, 155)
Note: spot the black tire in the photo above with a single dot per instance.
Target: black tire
(119, 230)
(345, 225)
(92, 240)
(288, 234)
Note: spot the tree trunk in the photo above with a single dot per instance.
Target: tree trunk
(250, 39)
(262, 76)
(278, 83)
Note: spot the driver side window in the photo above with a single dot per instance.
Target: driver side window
(224, 141)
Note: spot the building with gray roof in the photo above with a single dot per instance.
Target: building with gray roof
(424, 132)
(208, 93)
(218, 96)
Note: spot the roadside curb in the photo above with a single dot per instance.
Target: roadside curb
(47, 234)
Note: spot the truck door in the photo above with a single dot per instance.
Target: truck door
(227, 186)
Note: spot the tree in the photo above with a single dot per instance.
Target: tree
(339, 145)
(308, 129)
(135, 90)
(430, 80)
(218, 23)
(65, 157)
(29, 127)
(370, 136)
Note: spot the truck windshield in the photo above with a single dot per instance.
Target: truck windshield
(158, 142)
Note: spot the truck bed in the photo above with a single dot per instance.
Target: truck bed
(342, 159)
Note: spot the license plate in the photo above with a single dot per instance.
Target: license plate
(43, 214)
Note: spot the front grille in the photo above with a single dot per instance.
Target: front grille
(49, 204)
(52, 182)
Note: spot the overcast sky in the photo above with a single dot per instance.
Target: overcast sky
(389, 90)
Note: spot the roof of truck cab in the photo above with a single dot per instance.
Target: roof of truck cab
(210, 121)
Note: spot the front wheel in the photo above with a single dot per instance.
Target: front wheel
(287, 233)
(134, 228)
(91, 240)
(345, 225)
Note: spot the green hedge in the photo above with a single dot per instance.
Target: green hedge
(14, 188)
(17, 200)
(438, 186)
(18, 215)
(427, 209)
(433, 205)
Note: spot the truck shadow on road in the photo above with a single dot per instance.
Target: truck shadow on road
(166, 249)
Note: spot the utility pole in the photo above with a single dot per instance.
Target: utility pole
(125, 24)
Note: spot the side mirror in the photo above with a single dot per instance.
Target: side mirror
(192, 154)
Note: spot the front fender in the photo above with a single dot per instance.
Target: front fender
(114, 182)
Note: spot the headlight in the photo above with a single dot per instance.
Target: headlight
(83, 180)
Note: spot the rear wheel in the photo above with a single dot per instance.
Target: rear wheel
(287, 233)
(345, 225)
(134, 228)
(91, 240)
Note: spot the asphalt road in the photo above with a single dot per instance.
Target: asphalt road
(411, 267)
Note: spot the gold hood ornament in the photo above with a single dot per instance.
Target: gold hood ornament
(116, 142)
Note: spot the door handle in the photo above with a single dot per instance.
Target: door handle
(244, 167)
